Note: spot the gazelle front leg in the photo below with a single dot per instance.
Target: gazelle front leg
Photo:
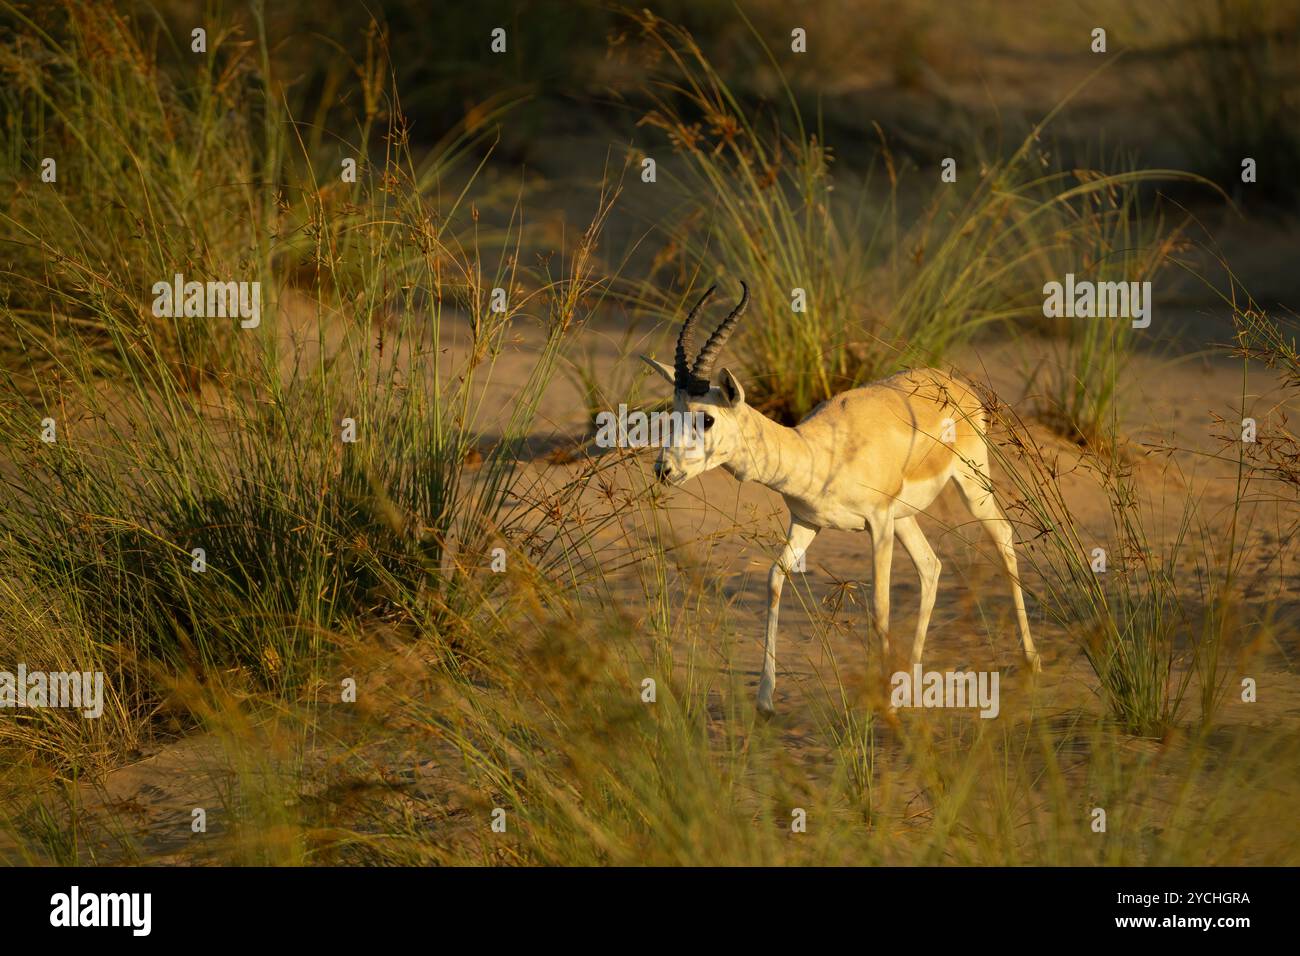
(882, 558)
(798, 538)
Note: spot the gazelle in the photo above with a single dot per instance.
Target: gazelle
(869, 459)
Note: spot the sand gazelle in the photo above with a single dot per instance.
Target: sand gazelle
(869, 459)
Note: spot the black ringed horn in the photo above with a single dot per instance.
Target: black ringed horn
(713, 347)
(686, 344)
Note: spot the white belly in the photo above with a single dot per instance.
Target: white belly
(914, 498)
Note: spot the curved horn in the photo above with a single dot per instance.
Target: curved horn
(686, 344)
(709, 354)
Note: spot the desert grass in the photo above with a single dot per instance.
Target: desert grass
(847, 294)
(1226, 96)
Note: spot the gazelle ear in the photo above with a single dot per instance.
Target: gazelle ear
(730, 388)
(665, 370)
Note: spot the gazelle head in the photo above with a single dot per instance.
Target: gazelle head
(715, 408)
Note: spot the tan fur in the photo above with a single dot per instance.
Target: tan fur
(898, 423)
(868, 459)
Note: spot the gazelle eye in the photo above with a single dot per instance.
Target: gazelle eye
(708, 422)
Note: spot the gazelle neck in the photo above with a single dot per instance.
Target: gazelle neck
(769, 453)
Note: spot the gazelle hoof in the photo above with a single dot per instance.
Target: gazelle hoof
(1035, 663)
(765, 709)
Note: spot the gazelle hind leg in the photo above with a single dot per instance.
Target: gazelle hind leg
(928, 567)
(798, 538)
(972, 479)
